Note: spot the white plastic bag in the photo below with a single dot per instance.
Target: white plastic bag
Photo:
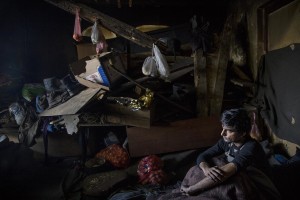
(162, 65)
(95, 33)
(149, 67)
(98, 38)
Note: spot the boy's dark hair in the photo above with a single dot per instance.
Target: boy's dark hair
(238, 119)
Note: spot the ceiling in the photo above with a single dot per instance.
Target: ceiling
(150, 3)
(159, 12)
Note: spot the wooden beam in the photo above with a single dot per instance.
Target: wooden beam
(112, 24)
(223, 55)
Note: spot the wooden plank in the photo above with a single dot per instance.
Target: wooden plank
(212, 69)
(112, 24)
(177, 136)
(73, 105)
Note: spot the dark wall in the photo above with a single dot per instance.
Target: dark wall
(36, 43)
(36, 39)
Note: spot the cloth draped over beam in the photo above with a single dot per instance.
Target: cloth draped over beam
(278, 92)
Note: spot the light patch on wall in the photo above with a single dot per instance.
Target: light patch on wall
(283, 26)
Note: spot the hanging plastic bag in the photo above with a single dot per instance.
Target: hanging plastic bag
(149, 67)
(95, 33)
(77, 27)
(98, 38)
(162, 65)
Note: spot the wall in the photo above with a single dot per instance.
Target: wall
(288, 19)
(36, 43)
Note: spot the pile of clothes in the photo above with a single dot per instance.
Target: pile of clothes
(37, 98)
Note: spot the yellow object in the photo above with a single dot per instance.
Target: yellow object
(147, 28)
(146, 99)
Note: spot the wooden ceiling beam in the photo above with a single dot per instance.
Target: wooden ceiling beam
(120, 28)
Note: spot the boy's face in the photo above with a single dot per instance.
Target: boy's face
(229, 134)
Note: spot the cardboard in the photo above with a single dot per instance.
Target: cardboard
(85, 49)
(95, 71)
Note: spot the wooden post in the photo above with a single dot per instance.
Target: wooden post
(200, 79)
(223, 58)
(112, 24)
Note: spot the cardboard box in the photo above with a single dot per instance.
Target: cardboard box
(96, 71)
(85, 49)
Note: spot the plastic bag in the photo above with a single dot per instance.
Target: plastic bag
(101, 47)
(98, 38)
(162, 65)
(31, 90)
(150, 171)
(116, 155)
(149, 67)
(77, 28)
(18, 111)
(95, 33)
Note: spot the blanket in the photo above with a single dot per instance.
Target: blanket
(251, 184)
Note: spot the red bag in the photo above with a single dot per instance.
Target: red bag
(77, 28)
(116, 155)
(150, 170)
